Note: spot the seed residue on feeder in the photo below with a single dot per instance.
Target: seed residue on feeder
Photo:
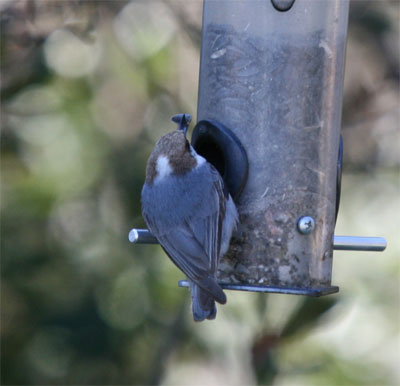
(250, 79)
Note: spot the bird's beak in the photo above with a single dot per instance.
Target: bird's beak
(183, 121)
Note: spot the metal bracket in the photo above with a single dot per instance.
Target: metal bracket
(314, 292)
(340, 243)
(358, 243)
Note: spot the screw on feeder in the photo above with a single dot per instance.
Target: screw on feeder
(306, 225)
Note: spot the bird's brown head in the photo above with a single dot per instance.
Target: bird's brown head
(172, 154)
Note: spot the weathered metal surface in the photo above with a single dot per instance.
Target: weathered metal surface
(275, 79)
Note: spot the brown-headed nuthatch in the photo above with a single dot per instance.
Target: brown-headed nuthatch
(189, 210)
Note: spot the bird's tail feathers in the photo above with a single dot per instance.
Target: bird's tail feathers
(203, 304)
(210, 285)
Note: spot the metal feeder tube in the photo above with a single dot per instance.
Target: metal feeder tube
(274, 78)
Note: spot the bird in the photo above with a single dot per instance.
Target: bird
(188, 208)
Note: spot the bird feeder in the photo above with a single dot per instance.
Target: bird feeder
(269, 113)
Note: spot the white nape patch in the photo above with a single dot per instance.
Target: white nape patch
(163, 168)
(199, 159)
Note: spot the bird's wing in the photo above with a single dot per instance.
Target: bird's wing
(193, 243)
(207, 229)
(187, 253)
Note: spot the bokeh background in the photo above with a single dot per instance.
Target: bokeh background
(87, 87)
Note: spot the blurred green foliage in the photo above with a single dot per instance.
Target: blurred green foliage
(87, 88)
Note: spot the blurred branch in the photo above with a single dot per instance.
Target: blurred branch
(307, 315)
(173, 335)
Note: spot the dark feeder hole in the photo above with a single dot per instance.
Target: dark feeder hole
(212, 152)
(220, 146)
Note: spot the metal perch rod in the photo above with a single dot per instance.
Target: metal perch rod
(340, 243)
